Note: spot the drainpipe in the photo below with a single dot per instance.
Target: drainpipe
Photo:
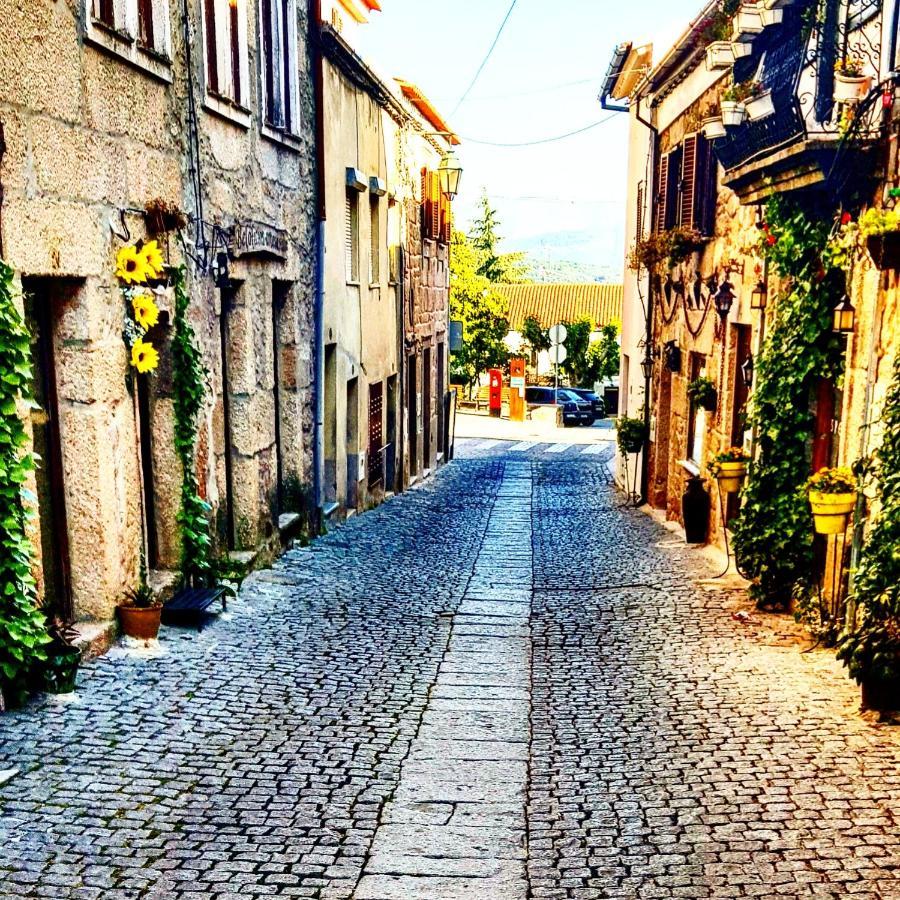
(314, 24)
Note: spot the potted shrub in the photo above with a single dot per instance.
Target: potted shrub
(140, 612)
(713, 127)
(832, 496)
(58, 672)
(730, 469)
(702, 393)
(880, 229)
(758, 101)
(631, 434)
(734, 109)
(850, 83)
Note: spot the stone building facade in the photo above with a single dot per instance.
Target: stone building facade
(717, 189)
(386, 281)
(106, 108)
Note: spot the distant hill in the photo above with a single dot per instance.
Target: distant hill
(568, 256)
(564, 271)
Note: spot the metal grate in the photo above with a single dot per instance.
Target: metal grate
(376, 434)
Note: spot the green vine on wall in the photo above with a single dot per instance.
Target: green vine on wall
(773, 535)
(23, 632)
(188, 378)
(872, 652)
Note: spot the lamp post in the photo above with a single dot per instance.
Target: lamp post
(450, 173)
(747, 371)
(724, 300)
(760, 296)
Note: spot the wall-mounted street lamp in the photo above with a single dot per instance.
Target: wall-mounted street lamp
(724, 299)
(760, 296)
(450, 173)
(844, 316)
(647, 366)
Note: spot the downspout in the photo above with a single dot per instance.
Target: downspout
(315, 21)
(648, 333)
(400, 452)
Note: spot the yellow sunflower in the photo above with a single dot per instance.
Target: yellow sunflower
(146, 312)
(144, 356)
(131, 266)
(153, 258)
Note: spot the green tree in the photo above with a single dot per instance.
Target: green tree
(602, 359)
(496, 267)
(578, 339)
(536, 337)
(481, 310)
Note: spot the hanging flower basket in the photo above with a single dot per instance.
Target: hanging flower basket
(713, 128)
(771, 15)
(884, 250)
(831, 512)
(719, 55)
(747, 23)
(734, 113)
(760, 107)
(851, 88)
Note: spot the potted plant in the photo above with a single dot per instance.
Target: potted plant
(730, 468)
(748, 22)
(734, 109)
(832, 496)
(631, 434)
(850, 83)
(881, 230)
(702, 393)
(140, 612)
(758, 101)
(58, 672)
(713, 127)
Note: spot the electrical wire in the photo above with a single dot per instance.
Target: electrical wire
(484, 62)
(550, 140)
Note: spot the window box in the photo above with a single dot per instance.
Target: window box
(747, 23)
(760, 107)
(724, 54)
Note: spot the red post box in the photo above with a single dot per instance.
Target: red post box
(496, 396)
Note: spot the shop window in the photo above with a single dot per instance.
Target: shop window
(280, 65)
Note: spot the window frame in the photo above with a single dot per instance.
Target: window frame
(374, 240)
(285, 126)
(114, 26)
(351, 231)
(230, 58)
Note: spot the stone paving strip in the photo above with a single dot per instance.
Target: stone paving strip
(455, 828)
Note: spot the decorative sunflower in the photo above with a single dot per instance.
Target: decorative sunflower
(144, 356)
(146, 312)
(153, 258)
(131, 266)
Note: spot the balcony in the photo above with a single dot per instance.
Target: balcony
(810, 141)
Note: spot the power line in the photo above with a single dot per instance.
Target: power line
(479, 98)
(550, 140)
(484, 62)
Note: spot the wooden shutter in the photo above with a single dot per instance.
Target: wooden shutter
(212, 46)
(146, 31)
(660, 214)
(698, 185)
(639, 217)
(351, 237)
(709, 192)
(105, 12)
(687, 194)
(436, 206)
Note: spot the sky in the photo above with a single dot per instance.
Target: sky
(541, 81)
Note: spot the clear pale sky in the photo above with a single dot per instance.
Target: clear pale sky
(572, 185)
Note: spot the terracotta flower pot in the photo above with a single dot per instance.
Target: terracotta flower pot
(140, 622)
(831, 512)
(731, 476)
(851, 88)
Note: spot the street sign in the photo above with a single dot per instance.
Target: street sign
(558, 335)
(558, 354)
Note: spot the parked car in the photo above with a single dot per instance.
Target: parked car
(575, 411)
(597, 404)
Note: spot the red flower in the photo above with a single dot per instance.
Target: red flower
(846, 219)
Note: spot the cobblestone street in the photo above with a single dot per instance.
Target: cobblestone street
(498, 686)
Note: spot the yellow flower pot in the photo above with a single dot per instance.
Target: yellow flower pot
(831, 512)
(731, 476)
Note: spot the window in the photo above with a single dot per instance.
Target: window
(668, 174)
(375, 240)
(225, 32)
(697, 186)
(278, 32)
(351, 237)
(135, 30)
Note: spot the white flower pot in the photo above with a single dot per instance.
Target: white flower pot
(714, 128)
(771, 16)
(741, 49)
(733, 114)
(760, 107)
(747, 23)
(849, 89)
(719, 55)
